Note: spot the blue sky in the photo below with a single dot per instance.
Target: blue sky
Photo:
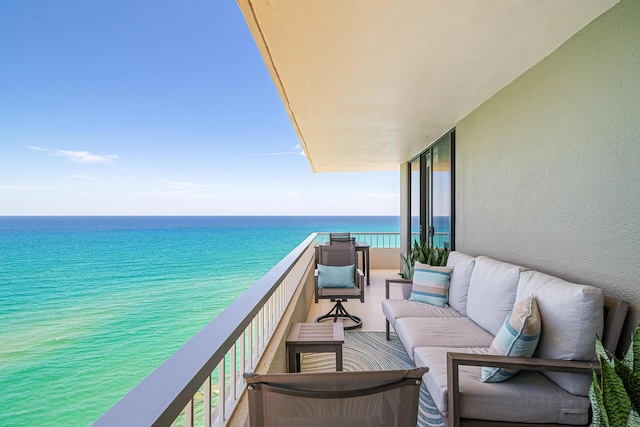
(111, 107)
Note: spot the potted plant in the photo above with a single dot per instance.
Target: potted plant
(615, 395)
(426, 255)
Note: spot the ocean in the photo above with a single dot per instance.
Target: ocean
(89, 306)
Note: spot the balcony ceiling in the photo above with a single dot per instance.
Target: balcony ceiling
(369, 84)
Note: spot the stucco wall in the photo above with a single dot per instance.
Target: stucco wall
(548, 170)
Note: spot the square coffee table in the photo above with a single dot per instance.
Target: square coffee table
(314, 338)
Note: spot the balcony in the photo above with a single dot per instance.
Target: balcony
(201, 384)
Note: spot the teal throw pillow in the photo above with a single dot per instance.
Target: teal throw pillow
(518, 337)
(431, 284)
(336, 277)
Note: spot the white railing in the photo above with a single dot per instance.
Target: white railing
(375, 239)
(387, 240)
(202, 382)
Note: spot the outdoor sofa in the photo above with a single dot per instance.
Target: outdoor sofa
(454, 342)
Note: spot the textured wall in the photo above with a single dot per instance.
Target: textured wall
(548, 170)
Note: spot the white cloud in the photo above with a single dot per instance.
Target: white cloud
(296, 150)
(33, 147)
(86, 157)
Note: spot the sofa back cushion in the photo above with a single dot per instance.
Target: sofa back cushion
(572, 315)
(460, 278)
(492, 292)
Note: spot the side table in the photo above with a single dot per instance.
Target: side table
(314, 338)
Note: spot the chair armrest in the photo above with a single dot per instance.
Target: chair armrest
(398, 280)
(359, 277)
(454, 360)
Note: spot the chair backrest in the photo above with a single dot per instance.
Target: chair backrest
(338, 254)
(349, 399)
(340, 237)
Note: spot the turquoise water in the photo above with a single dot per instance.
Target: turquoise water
(89, 306)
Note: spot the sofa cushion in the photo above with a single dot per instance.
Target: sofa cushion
(527, 397)
(430, 284)
(396, 308)
(517, 337)
(572, 315)
(460, 277)
(440, 332)
(492, 292)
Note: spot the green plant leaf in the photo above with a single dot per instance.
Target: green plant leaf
(631, 381)
(597, 404)
(616, 401)
(407, 266)
(443, 255)
(635, 345)
(634, 419)
(426, 254)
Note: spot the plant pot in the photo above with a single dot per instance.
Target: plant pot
(406, 290)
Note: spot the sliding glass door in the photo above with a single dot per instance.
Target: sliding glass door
(441, 192)
(432, 188)
(416, 200)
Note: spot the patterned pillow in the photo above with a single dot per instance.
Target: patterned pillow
(517, 337)
(431, 284)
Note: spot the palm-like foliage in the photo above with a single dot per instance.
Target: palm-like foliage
(425, 254)
(615, 395)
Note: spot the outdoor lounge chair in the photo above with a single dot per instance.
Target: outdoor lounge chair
(338, 284)
(337, 399)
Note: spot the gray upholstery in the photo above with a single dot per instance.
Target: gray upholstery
(440, 332)
(460, 279)
(493, 285)
(396, 308)
(348, 399)
(571, 316)
(526, 397)
(562, 303)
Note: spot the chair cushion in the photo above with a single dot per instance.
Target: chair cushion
(336, 277)
(430, 284)
(354, 292)
(527, 397)
(572, 315)
(492, 292)
(441, 332)
(396, 308)
(517, 337)
(460, 278)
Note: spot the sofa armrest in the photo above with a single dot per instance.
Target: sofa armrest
(388, 281)
(454, 360)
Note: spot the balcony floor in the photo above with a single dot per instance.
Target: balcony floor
(370, 311)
